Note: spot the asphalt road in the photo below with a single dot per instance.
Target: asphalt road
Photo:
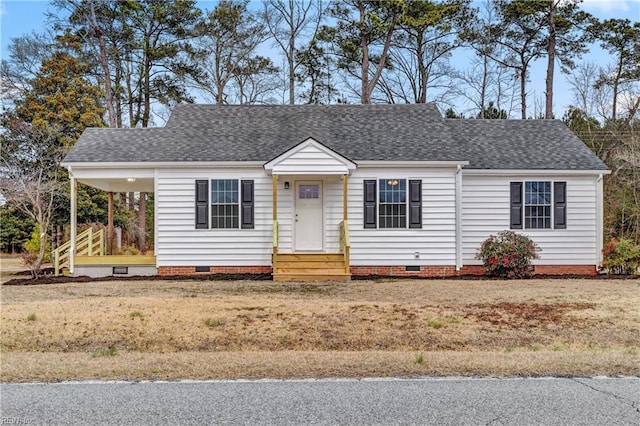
(441, 401)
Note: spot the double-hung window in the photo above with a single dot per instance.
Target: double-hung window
(392, 203)
(538, 205)
(227, 205)
(225, 211)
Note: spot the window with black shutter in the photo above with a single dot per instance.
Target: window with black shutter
(247, 213)
(370, 204)
(202, 204)
(516, 205)
(415, 204)
(538, 205)
(224, 204)
(560, 205)
(392, 203)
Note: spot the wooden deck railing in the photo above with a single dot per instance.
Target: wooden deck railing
(274, 254)
(345, 245)
(88, 243)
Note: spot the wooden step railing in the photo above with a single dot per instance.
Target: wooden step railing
(274, 254)
(345, 245)
(88, 243)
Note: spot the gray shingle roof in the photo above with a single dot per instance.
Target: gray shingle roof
(522, 144)
(359, 132)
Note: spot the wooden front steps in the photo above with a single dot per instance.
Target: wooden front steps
(310, 267)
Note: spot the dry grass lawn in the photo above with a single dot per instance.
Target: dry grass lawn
(247, 329)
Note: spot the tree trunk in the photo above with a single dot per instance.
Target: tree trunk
(36, 267)
(104, 64)
(483, 87)
(551, 56)
(523, 93)
(616, 82)
(290, 55)
(365, 96)
(146, 113)
(422, 71)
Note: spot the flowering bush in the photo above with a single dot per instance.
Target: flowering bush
(621, 257)
(508, 254)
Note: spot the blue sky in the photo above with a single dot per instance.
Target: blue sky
(18, 17)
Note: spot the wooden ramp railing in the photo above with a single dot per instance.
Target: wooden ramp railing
(88, 243)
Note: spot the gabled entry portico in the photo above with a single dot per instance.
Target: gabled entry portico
(306, 173)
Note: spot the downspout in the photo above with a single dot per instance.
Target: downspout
(155, 216)
(458, 217)
(599, 220)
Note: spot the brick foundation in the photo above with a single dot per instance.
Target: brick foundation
(191, 270)
(396, 271)
(400, 271)
(565, 270)
(540, 270)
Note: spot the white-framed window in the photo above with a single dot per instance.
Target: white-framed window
(392, 203)
(538, 204)
(225, 207)
(224, 204)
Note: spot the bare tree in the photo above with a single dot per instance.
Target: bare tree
(289, 22)
(227, 41)
(29, 180)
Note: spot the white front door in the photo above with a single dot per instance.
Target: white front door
(308, 216)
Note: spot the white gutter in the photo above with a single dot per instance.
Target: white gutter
(542, 172)
(162, 165)
(599, 219)
(155, 214)
(412, 163)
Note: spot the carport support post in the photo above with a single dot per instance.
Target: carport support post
(344, 198)
(110, 224)
(74, 215)
(275, 197)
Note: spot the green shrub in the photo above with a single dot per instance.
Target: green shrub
(508, 254)
(32, 247)
(621, 257)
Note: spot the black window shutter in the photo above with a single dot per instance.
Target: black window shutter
(369, 203)
(516, 205)
(560, 205)
(247, 202)
(202, 204)
(415, 204)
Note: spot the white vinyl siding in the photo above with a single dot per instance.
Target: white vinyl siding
(486, 207)
(310, 158)
(179, 243)
(435, 241)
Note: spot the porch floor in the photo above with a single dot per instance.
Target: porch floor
(310, 267)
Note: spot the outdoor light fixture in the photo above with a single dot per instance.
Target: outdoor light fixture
(286, 185)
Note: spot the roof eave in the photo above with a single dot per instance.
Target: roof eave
(541, 172)
(161, 164)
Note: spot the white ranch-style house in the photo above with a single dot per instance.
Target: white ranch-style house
(326, 192)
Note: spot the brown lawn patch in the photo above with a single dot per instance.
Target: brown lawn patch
(121, 329)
